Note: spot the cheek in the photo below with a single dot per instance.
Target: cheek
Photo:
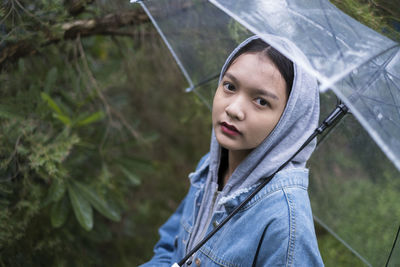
(261, 131)
(215, 107)
(262, 127)
(218, 103)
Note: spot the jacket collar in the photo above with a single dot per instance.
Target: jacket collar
(199, 176)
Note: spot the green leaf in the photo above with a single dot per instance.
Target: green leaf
(59, 212)
(98, 203)
(133, 178)
(64, 119)
(97, 116)
(52, 104)
(57, 190)
(82, 209)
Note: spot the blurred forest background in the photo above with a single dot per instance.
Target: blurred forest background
(97, 136)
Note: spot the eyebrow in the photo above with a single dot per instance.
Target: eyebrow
(255, 90)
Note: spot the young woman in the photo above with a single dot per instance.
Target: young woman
(264, 108)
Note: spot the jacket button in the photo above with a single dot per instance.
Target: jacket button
(197, 261)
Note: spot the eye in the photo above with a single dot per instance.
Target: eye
(228, 86)
(262, 102)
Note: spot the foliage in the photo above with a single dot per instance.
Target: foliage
(382, 16)
(59, 151)
(31, 23)
(69, 157)
(73, 155)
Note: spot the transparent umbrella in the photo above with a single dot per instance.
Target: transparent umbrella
(354, 184)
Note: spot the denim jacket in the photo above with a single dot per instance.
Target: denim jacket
(274, 229)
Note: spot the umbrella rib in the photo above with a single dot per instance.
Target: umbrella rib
(167, 44)
(318, 25)
(202, 98)
(393, 246)
(379, 101)
(396, 77)
(381, 69)
(331, 29)
(352, 84)
(361, 88)
(398, 89)
(391, 94)
(368, 109)
(333, 233)
(376, 74)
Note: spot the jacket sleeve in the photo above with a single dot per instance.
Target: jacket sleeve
(164, 249)
(290, 244)
(165, 246)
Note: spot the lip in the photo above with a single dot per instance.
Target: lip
(229, 129)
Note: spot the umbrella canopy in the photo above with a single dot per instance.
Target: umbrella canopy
(359, 65)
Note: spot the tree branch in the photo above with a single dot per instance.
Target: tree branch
(76, 7)
(104, 25)
(107, 25)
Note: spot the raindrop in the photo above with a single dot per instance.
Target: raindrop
(378, 112)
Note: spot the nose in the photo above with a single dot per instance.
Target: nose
(235, 109)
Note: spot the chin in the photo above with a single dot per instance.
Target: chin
(227, 143)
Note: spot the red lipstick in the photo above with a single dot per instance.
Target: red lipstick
(229, 129)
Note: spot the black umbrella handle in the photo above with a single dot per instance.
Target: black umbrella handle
(334, 117)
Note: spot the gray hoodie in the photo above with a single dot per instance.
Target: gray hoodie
(297, 123)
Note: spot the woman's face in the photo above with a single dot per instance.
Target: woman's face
(248, 102)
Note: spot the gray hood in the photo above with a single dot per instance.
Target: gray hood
(297, 123)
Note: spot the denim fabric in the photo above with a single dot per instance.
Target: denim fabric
(274, 229)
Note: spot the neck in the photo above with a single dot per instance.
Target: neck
(235, 157)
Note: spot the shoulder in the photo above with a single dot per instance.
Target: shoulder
(288, 207)
(302, 245)
(285, 188)
(286, 196)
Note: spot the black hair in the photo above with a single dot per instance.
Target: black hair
(284, 65)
